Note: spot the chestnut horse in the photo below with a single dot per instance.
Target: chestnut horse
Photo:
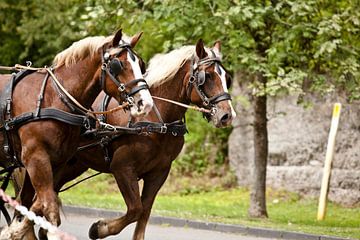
(187, 75)
(84, 69)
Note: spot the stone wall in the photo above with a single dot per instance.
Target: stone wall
(297, 145)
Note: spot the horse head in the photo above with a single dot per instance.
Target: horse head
(208, 83)
(122, 74)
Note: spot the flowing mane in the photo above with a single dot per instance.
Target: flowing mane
(163, 67)
(79, 50)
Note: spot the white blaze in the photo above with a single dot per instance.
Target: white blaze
(222, 76)
(144, 94)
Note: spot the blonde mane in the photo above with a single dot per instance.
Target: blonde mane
(163, 67)
(79, 50)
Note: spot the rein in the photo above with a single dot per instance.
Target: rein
(80, 181)
(199, 109)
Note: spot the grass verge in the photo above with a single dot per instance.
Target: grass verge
(287, 211)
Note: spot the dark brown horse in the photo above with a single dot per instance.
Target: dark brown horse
(187, 75)
(84, 69)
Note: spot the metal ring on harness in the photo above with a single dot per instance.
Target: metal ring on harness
(103, 66)
(206, 102)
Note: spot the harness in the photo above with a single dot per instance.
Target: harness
(9, 123)
(107, 133)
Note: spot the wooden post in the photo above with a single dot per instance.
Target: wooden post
(328, 160)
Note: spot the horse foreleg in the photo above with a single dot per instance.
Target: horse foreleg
(38, 166)
(152, 184)
(129, 187)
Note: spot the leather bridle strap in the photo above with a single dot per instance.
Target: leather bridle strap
(194, 80)
(137, 88)
(220, 97)
(121, 86)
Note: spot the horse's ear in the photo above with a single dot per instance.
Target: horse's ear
(200, 50)
(135, 39)
(217, 47)
(117, 38)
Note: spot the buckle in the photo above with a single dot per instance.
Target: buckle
(131, 101)
(8, 125)
(213, 111)
(107, 126)
(163, 129)
(106, 56)
(206, 102)
(122, 87)
(87, 125)
(8, 106)
(104, 141)
(6, 149)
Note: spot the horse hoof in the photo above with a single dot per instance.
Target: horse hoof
(42, 234)
(98, 230)
(93, 231)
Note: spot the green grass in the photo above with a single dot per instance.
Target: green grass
(286, 211)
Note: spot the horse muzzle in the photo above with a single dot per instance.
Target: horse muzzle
(222, 118)
(143, 104)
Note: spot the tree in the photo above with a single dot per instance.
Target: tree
(282, 46)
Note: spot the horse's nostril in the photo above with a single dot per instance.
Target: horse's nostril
(140, 103)
(225, 118)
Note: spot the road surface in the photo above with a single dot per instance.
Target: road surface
(78, 226)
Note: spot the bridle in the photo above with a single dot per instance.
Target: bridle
(198, 79)
(112, 66)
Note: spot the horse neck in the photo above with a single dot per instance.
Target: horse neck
(81, 80)
(173, 89)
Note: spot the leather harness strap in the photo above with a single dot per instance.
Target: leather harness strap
(104, 137)
(46, 114)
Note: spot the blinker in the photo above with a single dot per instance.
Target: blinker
(116, 66)
(201, 78)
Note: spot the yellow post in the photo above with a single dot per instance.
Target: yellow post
(328, 159)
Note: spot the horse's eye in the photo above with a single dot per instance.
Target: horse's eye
(116, 66)
(142, 67)
(208, 76)
(228, 81)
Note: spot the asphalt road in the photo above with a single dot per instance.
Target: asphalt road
(78, 226)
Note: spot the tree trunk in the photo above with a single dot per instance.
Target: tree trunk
(258, 188)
